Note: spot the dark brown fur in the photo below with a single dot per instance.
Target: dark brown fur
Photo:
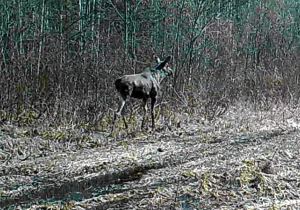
(142, 86)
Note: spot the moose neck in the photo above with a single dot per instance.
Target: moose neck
(156, 78)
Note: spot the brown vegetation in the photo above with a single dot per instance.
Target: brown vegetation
(227, 121)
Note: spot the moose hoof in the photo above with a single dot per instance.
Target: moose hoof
(153, 130)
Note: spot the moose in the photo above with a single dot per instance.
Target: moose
(142, 86)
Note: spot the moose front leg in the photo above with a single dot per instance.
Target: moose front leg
(153, 100)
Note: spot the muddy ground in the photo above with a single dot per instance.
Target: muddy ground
(245, 159)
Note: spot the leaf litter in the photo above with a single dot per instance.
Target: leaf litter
(245, 159)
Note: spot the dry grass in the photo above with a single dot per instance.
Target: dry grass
(246, 159)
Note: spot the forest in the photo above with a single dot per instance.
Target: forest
(231, 103)
(63, 56)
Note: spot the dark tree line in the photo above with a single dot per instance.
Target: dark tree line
(60, 57)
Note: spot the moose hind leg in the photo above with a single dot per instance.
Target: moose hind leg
(144, 107)
(119, 112)
(153, 100)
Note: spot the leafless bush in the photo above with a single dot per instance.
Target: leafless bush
(65, 79)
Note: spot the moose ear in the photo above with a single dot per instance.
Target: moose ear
(157, 59)
(168, 59)
(163, 64)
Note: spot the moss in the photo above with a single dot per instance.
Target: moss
(24, 169)
(152, 164)
(48, 207)
(27, 117)
(204, 181)
(22, 116)
(31, 132)
(227, 125)
(49, 165)
(139, 134)
(84, 125)
(85, 138)
(45, 134)
(104, 123)
(85, 206)
(242, 129)
(123, 143)
(233, 194)
(251, 176)
(55, 135)
(273, 207)
(191, 111)
(203, 138)
(68, 205)
(96, 143)
(188, 173)
(2, 193)
(59, 135)
(185, 139)
(156, 114)
(113, 134)
(132, 119)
